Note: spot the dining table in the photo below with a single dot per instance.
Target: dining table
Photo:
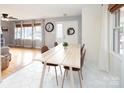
(62, 56)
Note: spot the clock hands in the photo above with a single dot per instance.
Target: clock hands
(49, 27)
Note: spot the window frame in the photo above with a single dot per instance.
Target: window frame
(35, 30)
(17, 31)
(117, 30)
(24, 29)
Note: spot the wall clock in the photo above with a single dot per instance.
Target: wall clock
(49, 27)
(70, 31)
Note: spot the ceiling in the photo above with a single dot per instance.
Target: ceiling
(32, 11)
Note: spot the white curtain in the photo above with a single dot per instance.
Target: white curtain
(104, 42)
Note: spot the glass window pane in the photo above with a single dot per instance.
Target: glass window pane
(37, 33)
(121, 30)
(17, 33)
(118, 37)
(28, 32)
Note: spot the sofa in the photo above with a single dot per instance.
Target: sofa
(5, 57)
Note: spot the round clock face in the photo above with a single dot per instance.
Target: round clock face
(49, 27)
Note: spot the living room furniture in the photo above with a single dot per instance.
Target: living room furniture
(55, 44)
(5, 57)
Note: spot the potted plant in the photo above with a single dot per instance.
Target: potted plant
(65, 44)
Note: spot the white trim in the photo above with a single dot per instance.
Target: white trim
(119, 56)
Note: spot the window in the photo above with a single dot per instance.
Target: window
(118, 32)
(37, 32)
(27, 33)
(122, 30)
(59, 32)
(18, 33)
(121, 41)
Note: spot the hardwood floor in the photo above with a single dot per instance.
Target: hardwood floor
(21, 57)
(30, 75)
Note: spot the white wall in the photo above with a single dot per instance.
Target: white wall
(115, 64)
(75, 21)
(50, 36)
(91, 28)
(9, 35)
(122, 70)
(72, 39)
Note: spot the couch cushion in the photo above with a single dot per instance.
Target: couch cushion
(4, 50)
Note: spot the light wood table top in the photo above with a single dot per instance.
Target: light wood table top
(61, 56)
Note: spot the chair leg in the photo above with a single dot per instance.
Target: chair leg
(63, 78)
(80, 78)
(60, 69)
(81, 75)
(56, 75)
(48, 68)
(66, 73)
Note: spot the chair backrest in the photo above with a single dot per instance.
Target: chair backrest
(55, 43)
(44, 49)
(82, 58)
(82, 48)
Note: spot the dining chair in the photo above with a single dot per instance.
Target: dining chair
(79, 70)
(44, 49)
(82, 48)
(81, 54)
(55, 44)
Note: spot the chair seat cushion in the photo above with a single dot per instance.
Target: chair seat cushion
(74, 69)
(50, 64)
